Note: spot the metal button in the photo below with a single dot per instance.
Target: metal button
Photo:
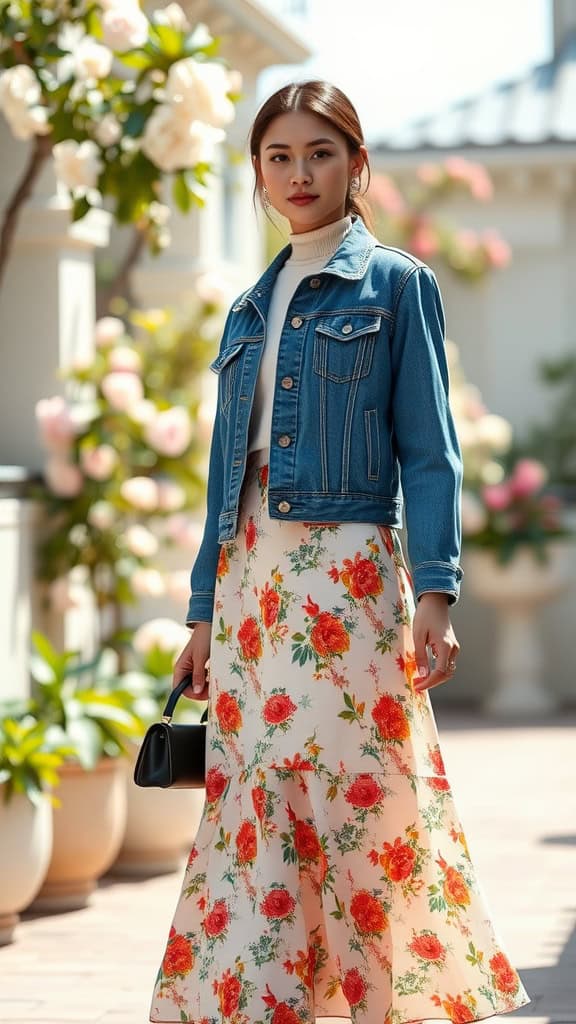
(296, 321)
(314, 282)
(284, 440)
(284, 506)
(287, 382)
(347, 328)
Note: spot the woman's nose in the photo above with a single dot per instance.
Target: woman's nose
(301, 173)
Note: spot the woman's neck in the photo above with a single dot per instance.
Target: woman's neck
(323, 241)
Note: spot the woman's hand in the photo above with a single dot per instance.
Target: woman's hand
(432, 627)
(193, 659)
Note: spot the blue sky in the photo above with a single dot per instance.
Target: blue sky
(401, 60)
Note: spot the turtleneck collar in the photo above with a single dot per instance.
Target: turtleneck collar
(311, 245)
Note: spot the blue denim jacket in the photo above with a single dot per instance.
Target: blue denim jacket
(361, 422)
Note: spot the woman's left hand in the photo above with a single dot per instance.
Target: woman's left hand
(432, 627)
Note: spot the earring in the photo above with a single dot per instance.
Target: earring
(265, 196)
(354, 185)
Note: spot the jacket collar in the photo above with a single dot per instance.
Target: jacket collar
(349, 261)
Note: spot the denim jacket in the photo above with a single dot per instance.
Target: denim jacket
(361, 423)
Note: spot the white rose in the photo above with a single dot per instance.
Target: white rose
(147, 582)
(91, 59)
(20, 95)
(101, 515)
(141, 492)
(173, 16)
(171, 142)
(200, 90)
(167, 634)
(140, 541)
(77, 164)
(124, 26)
(107, 331)
(108, 131)
(125, 358)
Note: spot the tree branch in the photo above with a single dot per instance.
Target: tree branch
(120, 285)
(39, 153)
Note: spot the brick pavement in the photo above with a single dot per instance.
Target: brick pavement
(515, 790)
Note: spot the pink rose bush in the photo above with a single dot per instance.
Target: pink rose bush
(406, 218)
(125, 467)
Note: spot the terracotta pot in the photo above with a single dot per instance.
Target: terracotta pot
(25, 850)
(88, 831)
(161, 824)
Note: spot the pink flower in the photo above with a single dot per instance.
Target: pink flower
(185, 532)
(140, 541)
(170, 432)
(107, 331)
(63, 478)
(99, 463)
(122, 390)
(124, 360)
(497, 497)
(141, 492)
(143, 411)
(430, 174)
(147, 582)
(423, 240)
(171, 496)
(528, 477)
(178, 585)
(497, 250)
(473, 175)
(57, 429)
(383, 191)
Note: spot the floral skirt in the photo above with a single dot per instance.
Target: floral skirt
(330, 874)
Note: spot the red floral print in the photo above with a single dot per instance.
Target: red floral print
(328, 635)
(428, 947)
(228, 713)
(259, 801)
(398, 860)
(284, 1014)
(249, 639)
(269, 605)
(455, 888)
(505, 977)
(216, 783)
(217, 920)
(437, 761)
(278, 708)
(263, 475)
(229, 992)
(250, 534)
(306, 842)
(361, 577)
(390, 718)
(441, 785)
(459, 1013)
(222, 568)
(368, 914)
(277, 903)
(353, 986)
(178, 958)
(246, 843)
(364, 792)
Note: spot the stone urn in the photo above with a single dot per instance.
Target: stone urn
(517, 591)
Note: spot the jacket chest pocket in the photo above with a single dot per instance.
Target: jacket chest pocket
(226, 366)
(344, 346)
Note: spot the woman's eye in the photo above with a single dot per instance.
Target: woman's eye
(321, 152)
(274, 158)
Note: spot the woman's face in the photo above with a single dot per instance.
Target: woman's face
(301, 153)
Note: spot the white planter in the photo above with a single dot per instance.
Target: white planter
(25, 849)
(518, 590)
(88, 831)
(161, 824)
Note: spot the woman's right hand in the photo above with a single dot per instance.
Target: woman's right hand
(193, 659)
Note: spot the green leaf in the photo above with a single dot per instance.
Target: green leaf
(85, 737)
(169, 40)
(80, 208)
(138, 59)
(181, 193)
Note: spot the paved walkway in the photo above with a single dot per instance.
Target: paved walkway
(515, 787)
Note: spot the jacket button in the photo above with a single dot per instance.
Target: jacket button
(296, 321)
(314, 282)
(287, 382)
(347, 328)
(284, 506)
(284, 440)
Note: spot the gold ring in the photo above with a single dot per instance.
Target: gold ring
(451, 665)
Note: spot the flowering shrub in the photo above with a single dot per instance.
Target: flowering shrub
(126, 457)
(119, 100)
(406, 217)
(516, 511)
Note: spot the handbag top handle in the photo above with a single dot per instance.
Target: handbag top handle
(176, 693)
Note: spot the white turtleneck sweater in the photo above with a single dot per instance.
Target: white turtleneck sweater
(311, 251)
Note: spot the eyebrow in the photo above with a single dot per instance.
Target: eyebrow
(315, 142)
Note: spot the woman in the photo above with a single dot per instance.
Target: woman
(330, 873)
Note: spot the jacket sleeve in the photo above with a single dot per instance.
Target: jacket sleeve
(203, 574)
(424, 433)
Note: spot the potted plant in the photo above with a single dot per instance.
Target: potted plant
(31, 753)
(98, 719)
(160, 824)
(517, 556)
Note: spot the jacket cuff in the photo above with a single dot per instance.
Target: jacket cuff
(200, 608)
(438, 577)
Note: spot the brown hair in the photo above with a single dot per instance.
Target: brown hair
(326, 101)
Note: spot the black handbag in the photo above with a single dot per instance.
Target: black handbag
(173, 754)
